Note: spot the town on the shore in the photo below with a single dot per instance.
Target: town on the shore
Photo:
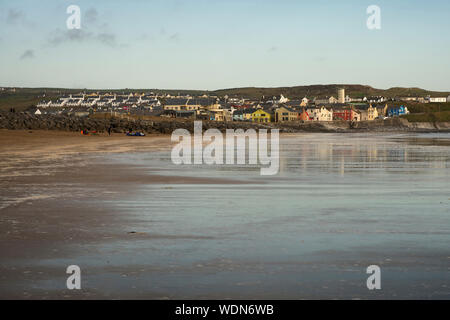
(214, 108)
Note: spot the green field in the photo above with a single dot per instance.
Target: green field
(443, 116)
(24, 98)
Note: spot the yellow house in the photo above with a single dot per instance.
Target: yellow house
(182, 104)
(383, 111)
(304, 102)
(247, 115)
(283, 114)
(261, 116)
(223, 115)
(372, 113)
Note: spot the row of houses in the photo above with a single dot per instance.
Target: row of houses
(284, 113)
(187, 102)
(327, 113)
(96, 100)
(427, 99)
(273, 109)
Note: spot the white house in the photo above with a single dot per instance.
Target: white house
(327, 100)
(60, 102)
(44, 104)
(74, 102)
(439, 99)
(283, 99)
(320, 114)
(304, 102)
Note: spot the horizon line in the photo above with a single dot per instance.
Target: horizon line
(219, 89)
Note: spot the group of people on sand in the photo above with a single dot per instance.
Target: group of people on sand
(129, 132)
(86, 132)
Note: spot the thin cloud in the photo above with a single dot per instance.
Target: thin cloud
(17, 17)
(169, 36)
(60, 37)
(92, 30)
(91, 16)
(14, 16)
(108, 39)
(174, 37)
(145, 37)
(28, 54)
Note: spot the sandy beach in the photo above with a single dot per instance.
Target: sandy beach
(142, 228)
(38, 143)
(43, 174)
(47, 180)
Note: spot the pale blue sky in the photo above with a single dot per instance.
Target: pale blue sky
(211, 44)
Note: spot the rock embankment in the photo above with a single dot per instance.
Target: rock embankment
(28, 121)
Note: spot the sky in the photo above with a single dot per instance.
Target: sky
(212, 44)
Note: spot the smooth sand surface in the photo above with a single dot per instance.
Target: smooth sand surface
(57, 143)
(53, 189)
(140, 227)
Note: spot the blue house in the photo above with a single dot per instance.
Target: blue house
(238, 115)
(397, 111)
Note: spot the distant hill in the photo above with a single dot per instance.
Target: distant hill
(354, 91)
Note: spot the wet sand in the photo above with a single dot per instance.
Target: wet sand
(142, 229)
(49, 144)
(53, 189)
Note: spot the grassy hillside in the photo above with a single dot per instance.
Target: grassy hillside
(443, 116)
(354, 91)
(426, 107)
(299, 91)
(24, 98)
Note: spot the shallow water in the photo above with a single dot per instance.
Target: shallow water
(339, 204)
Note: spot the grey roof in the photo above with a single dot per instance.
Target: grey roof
(249, 110)
(294, 102)
(202, 101)
(175, 102)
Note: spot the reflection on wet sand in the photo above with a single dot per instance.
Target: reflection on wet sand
(350, 152)
(141, 227)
